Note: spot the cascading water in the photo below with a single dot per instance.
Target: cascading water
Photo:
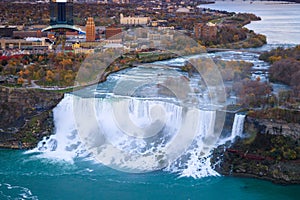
(238, 126)
(65, 144)
(194, 161)
(136, 134)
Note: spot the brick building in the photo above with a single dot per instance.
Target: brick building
(26, 34)
(90, 30)
(206, 31)
(113, 32)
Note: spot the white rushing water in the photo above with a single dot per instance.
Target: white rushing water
(238, 126)
(65, 144)
(177, 142)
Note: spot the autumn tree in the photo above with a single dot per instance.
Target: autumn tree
(50, 76)
(20, 81)
(253, 93)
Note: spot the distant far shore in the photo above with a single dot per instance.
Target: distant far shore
(292, 1)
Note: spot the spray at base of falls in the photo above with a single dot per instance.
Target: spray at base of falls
(194, 160)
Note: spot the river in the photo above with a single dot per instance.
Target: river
(61, 168)
(280, 20)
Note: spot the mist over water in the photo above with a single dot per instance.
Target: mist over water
(114, 130)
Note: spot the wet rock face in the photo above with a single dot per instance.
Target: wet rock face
(273, 127)
(25, 116)
(270, 151)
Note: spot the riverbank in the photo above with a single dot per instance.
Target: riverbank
(26, 113)
(26, 116)
(268, 150)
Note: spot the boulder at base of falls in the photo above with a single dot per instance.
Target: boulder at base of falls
(26, 116)
(269, 150)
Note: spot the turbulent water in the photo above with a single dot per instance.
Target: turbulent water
(24, 177)
(179, 140)
(179, 148)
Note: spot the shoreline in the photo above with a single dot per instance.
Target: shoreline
(267, 150)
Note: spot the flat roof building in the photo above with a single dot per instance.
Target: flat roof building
(61, 12)
(7, 31)
(134, 20)
(23, 44)
(113, 33)
(26, 34)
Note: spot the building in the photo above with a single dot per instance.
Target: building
(61, 17)
(206, 32)
(7, 31)
(114, 46)
(26, 34)
(113, 33)
(83, 50)
(90, 30)
(61, 12)
(76, 45)
(22, 44)
(121, 1)
(134, 20)
(183, 10)
(165, 28)
(159, 23)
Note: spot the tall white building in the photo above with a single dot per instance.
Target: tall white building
(134, 20)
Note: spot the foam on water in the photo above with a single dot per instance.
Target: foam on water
(65, 144)
(195, 162)
(162, 150)
(8, 191)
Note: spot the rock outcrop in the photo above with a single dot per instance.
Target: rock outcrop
(26, 116)
(269, 150)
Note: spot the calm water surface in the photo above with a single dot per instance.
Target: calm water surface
(280, 21)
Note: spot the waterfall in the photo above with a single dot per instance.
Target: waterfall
(238, 126)
(195, 162)
(116, 133)
(65, 144)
